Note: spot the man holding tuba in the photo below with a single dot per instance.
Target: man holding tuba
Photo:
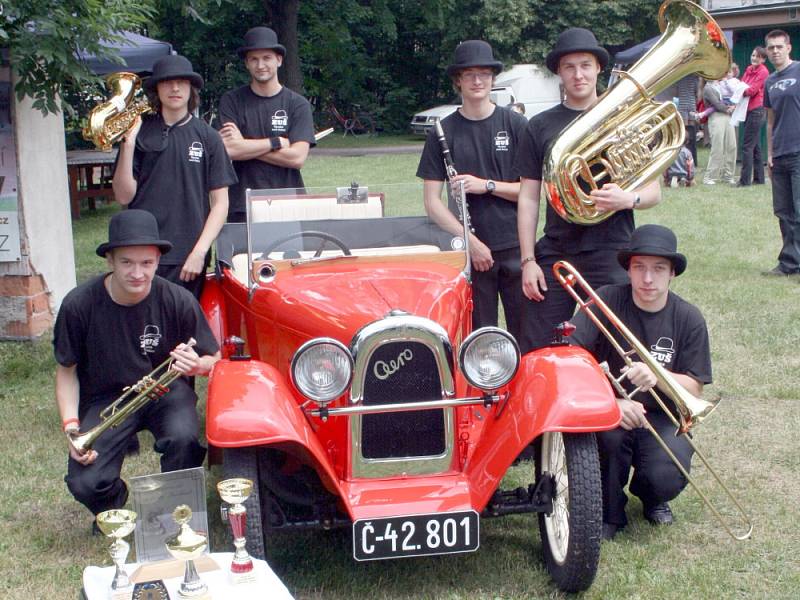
(112, 331)
(577, 59)
(675, 333)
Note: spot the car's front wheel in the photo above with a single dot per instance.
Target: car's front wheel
(243, 462)
(571, 533)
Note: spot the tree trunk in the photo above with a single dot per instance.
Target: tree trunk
(282, 17)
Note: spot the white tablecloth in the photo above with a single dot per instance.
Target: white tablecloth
(97, 582)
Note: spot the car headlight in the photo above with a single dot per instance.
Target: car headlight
(489, 358)
(321, 369)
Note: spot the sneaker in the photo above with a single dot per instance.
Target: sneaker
(610, 531)
(674, 182)
(659, 514)
(709, 182)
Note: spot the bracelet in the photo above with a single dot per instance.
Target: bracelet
(69, 421)
(526, 260)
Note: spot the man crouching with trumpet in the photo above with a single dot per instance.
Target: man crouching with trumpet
(110, 333)
(675, 333)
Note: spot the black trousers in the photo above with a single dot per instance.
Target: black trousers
(655, 477)
(173, 422)
(691, 142)
(505, 279)
(752, 161)
(598, 267)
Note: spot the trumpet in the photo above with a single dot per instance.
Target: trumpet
(691, 410)
(150, 387)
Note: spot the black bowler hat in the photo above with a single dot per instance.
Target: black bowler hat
(474, 53)
(260, 38)
(173, 66)
(653, 240)
(576, 39)
(133, 227)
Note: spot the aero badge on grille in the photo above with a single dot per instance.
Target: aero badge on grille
(383, 370)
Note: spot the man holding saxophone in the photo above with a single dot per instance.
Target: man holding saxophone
(112, 331)
(578, 60)
(675, 333)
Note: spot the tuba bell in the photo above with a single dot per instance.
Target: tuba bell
(110, 120)
(626, 137)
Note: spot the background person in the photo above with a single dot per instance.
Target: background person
(267, 128)
(110, 332)
(755, 75)
(782, 99)
(577, 59)
(677, 336)
(174, 166)
(483, 140)
(722, 160)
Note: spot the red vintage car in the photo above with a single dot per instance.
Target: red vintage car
(354, 392)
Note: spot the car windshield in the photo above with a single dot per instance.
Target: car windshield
(348, 222)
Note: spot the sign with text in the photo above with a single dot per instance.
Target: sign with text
(9, 230)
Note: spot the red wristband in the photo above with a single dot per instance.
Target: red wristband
(69, 421)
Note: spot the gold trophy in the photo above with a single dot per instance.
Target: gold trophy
(235, 492)
(187, 545)
(117, 524)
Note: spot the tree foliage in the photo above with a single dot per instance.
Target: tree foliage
(44, 36)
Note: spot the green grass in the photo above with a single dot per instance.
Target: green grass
(729, 235)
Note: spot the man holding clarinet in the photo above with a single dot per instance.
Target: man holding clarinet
(483, 140)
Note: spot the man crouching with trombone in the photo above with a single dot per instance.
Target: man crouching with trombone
(110, 333)
(675, 333)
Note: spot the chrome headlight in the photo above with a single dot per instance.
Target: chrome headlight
(489, 358)
(322, 369)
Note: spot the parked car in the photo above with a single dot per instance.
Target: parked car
(354, 392)
(533, 86)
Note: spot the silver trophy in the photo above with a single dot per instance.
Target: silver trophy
(117, 524)
(187, 545)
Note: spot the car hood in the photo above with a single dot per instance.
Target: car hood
(336, 303)
(438, 111)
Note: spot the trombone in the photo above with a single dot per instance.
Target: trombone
(691, 410)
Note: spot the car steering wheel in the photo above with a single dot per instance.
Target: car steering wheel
(325, 237)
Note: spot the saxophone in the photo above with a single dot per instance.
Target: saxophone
(110, 120)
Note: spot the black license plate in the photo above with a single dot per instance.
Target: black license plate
(416, 535)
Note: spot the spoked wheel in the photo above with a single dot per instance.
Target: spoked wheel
(571, 533)
(243, 462)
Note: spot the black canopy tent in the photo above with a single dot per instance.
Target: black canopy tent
(137, 52)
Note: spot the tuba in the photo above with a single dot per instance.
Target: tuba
(626, 137)
(109, 121)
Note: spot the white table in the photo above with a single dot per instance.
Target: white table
(97, 582)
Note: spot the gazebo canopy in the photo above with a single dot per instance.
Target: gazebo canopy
(137, 51)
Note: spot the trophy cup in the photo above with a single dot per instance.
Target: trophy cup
(117, 524)
(187, 545)
(235, 492)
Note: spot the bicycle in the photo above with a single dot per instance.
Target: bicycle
(360, 122)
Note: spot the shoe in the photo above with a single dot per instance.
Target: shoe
(610, 530)
(740, 184)
(95, 529)
(660, 514)
(674, 182)
(710, 182)
(778, 272)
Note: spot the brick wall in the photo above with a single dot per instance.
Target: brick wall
(25, 311)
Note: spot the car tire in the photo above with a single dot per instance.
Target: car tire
(572, 532)
(243, 462)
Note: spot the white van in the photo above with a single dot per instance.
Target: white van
(532, 85)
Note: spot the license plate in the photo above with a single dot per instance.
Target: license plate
(415, 535)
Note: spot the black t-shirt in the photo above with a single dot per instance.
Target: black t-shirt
(560, 236)
(175, 168)
(676, 336)
(782, 95)
(286, 114)
(485, 149)
(114, 346)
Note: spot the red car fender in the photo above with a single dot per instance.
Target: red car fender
(250, 404)
(213, 304)
(556, 389)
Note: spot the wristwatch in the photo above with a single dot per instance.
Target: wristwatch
(637, 200)
(490, 185)
(526, 260)
(275, 143)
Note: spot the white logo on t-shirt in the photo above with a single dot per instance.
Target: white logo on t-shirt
(196, 152)
(663, 350)
(783, 84)
(501, 141)
(280, 121)
(149, 340)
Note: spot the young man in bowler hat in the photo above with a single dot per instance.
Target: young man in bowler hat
(483, 139)
(110, 332)
(174, 165)
(267, 128)
(676, 334)
(577, 59)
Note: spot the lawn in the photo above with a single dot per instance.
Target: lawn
(729, 235)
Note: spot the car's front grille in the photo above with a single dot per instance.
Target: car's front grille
(402, 372)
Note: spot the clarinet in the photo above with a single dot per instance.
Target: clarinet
(450, 169)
